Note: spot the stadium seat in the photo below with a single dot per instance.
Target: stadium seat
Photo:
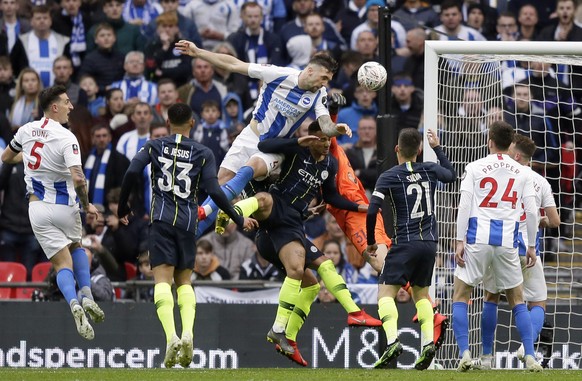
(13, 272)
(130, 270)
(40, 271)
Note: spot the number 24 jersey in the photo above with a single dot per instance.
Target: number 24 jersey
(497, 184)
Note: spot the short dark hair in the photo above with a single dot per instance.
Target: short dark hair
(50, 95)
(179, 114)
(40, 9)
(104, 26)
(450, 4)
(165, 81)
(109, 92)
(100, 126)
(409, 141)
(525, 145)
(325, 60)
(313, 127)
(210, 104)
(250, 4)
(204, 245)
(501, 133)
(5, 62)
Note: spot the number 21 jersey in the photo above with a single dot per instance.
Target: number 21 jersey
(497, 184)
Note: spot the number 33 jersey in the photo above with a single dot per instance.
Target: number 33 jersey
(498, 184)
(48, 151)
(180, 166)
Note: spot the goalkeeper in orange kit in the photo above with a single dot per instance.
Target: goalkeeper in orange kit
(354, 224)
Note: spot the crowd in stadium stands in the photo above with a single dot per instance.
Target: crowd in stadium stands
(118, 62)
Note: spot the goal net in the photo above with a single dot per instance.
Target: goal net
(537, 88)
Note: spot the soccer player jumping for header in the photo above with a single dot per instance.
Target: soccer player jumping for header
(284, 101)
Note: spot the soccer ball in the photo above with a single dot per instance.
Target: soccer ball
(372, 76)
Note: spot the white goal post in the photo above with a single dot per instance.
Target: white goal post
(468, 84)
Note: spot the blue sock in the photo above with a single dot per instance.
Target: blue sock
(461, 326)
(523, 324)
(231, 189)
(81, 267)
(537, 315)
(206, 223)
(488, 325)
(66, 283)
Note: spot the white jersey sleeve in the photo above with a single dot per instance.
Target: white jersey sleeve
(544, 194)
(269, 73)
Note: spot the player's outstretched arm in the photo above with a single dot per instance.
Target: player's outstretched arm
(221, 61)
(447, 173)
(329, 128)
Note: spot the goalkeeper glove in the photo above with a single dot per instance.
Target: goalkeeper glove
(334, 102)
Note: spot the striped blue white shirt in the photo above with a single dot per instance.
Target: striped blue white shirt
(140, 88)
(282, 106)
(497, 184)
(48, 151)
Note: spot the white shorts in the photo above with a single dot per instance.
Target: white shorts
(54, 226)
(243, 148)
(534, 282)
(482, 259)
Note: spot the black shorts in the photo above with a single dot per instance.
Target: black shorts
(409, 262)
(267, 250)
(285, 224)
(172, 246)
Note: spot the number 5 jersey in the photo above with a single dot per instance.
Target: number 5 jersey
(48, 151)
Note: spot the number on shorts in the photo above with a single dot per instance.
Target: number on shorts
(34, 153)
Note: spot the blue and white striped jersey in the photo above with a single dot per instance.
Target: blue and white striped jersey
(282, 106)
(498, 184)
(48, 151)
(140, 88)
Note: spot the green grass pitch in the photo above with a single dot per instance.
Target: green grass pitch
(255, 374)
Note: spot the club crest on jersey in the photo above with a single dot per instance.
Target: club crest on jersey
(75, 149)
(306, 101)
(324, 175)
(313, 249)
